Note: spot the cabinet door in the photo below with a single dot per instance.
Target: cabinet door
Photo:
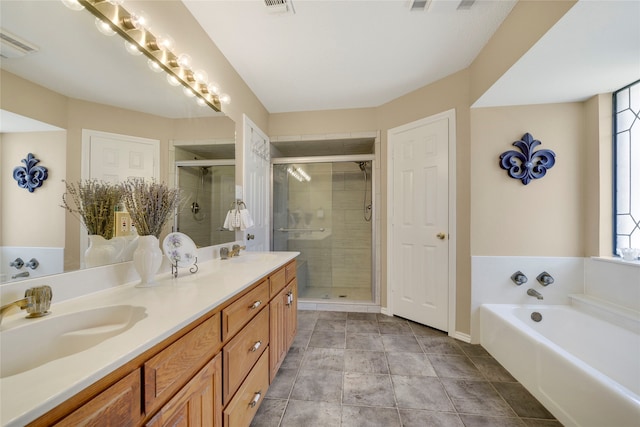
(277, 333)
(119, 405)
(198, 403)
(291, 313)
(283, 326)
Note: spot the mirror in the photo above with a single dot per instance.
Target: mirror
(76, 79)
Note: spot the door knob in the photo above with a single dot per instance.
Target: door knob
(250, 236)
(441, 236)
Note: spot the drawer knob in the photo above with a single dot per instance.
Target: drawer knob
(255, 305)
(256, 346)
(256, 399)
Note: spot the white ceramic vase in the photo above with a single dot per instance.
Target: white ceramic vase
(147, 259)
(100, 252)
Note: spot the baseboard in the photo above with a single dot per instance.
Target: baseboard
(462, 337)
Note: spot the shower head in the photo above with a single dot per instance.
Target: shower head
(204, 170)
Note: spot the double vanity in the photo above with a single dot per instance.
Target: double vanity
(201, 348)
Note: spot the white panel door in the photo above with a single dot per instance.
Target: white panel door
(257, 188)
(420, 215)
(115, 158)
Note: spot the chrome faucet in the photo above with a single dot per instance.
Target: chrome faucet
(23, 274)
(22, 304)
(534, 293)
(545, 279)
(519, 278)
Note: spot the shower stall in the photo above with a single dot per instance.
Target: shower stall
(323, 208)
(207, 188)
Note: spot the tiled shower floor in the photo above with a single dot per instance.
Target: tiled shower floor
(366, 369)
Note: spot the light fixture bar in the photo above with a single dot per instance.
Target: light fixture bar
(124, 23)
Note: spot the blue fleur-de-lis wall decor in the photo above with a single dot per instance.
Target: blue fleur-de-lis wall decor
(30, 176)
(527, 164)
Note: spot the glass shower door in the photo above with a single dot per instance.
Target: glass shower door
(323, 210)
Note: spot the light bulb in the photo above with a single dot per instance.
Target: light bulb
(201, 76)
(142, 20)
(132, 48)
(72, 4)
(165, 43)
(184, 61)
(189, 92)
(173, 81)
(116, 2)
(225, 99)
(201, 102)
(213, 88)
(154, 66)
(104, 27)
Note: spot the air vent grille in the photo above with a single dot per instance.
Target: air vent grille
(12, 46)
(466, 4)
(278, 6)
(419, 5)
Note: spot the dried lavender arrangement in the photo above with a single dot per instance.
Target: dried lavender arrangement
(93, 202)
(150, 204)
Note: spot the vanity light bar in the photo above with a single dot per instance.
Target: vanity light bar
(125, 24)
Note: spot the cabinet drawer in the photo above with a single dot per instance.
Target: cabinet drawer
(119, 405)
(170, 369)
(238, 314)
(242, 351)
(277, 281)
(247, 400)
(290, 271)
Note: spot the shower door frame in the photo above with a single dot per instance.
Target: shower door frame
(375, 285)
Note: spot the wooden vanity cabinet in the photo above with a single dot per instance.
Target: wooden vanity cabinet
(283, 321)
(212, 373)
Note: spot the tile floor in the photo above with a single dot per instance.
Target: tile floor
(366, 369)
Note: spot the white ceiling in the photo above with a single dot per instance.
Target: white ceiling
(346, 54)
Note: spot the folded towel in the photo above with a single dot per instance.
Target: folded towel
(232, 220)
(245, 219)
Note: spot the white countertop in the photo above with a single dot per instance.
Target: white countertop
(170, 306)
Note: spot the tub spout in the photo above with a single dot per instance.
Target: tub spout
(534, 293)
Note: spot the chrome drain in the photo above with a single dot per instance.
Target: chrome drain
(536, 317)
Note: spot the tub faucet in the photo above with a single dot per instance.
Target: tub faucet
(23, 274)
(22, 304)
(544, 278)
(519, 278)
(534, 293)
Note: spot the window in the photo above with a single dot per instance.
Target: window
(626, 143)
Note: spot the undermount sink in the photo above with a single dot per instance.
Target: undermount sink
(26, 347)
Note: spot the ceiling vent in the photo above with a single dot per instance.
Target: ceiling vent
(466, 4)
(279, 6)
(12, 46)
(419, 5)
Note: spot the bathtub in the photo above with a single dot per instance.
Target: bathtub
(584, 370)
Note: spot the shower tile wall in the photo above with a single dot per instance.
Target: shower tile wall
(199, 231)
(335, 263)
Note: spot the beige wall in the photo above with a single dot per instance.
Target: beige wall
(598, 179)
(545, 217)
(27, 218)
